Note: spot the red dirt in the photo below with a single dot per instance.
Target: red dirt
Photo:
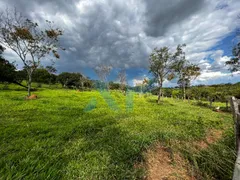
(33, 96)
(161, 166)
(164, 165)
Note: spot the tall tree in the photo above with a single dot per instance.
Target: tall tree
(30, 43)
(189, 73)
(184, 69)
(103, 72)
(161, 66)
(122, 79)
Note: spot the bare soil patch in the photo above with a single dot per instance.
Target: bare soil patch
(163, 164)
(211, 137)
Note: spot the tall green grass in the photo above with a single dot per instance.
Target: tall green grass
(54, 137)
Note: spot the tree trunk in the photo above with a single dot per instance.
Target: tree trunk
(159, 94)
(184, 92)
(29, 82)
(82, 85)
(211, 102)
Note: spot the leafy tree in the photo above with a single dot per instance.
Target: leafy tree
(196, 92)
(21, 75)
(88, 83)
(167, 92)
(114, 86)
(161, 66)
(30, 43)
(8, 71)
(151, 84)
(71, 80)
(52, 70)
(41, 75)
(186, 71)
(63, 78)
(144, 85)
(234, 62)
(175, 93)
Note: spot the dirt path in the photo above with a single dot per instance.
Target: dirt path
(163, 164)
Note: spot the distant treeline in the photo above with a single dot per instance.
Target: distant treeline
(217, 92)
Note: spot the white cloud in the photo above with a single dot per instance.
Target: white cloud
(205, 76)
(137, 82)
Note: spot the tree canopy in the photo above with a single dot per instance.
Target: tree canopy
(234, 62)
(8, 71)
(27, 40)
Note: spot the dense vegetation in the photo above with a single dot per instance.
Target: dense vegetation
(217, 92)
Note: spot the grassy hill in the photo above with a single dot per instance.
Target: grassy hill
(66, 134)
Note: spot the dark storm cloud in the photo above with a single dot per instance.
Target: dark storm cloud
(51, 6)
(161, 14)
(107, 31)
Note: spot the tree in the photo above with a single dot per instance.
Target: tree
(151, 84)
(31, 44)
(188, 73)
(103, 73)
(51, 70)
(63, 78)
(161, 66)
(122, 79)
(8, 71)
(72, 80)
(184, 69)
(21, 75)
(114, 86)
(234, 62)
(144, 85)
(41, 75)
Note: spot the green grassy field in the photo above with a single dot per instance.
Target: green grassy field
(54, 137)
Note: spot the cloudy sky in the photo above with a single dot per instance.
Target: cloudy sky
(123, 33)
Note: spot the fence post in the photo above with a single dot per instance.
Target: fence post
(235, 111)
(236, 118)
